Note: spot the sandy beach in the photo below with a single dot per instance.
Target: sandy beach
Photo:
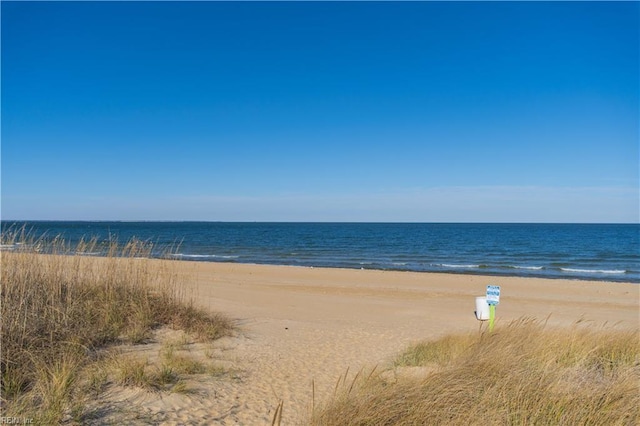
(301, 329)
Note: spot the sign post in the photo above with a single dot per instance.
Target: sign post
(493, 298)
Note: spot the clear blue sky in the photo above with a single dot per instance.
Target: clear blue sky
(296, 111)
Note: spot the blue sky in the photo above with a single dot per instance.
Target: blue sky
(296, 111)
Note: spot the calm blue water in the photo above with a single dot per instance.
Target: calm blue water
(594, 252)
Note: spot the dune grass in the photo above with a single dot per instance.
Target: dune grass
(522, 374)
(61, 309)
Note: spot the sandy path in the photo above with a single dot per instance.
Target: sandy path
(304, 327)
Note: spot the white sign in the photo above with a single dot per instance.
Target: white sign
(493, 294)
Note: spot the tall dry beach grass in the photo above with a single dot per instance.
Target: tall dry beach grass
(524, 374)
(60, 310)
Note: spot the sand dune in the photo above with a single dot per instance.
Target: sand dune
(302, 328)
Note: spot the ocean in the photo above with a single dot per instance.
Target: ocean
(606, 252)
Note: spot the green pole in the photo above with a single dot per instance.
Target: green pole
(492, 316)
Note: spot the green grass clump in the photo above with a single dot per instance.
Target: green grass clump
(61, 307)
(522, 374)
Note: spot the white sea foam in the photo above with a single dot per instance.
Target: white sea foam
(535, 268)
(448, 265)
(7, 246)
(203, 256)
(595, 271)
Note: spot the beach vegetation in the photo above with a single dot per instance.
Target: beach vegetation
(522, 373)
(64, 309)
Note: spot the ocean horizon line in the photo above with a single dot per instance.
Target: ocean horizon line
(317, 222)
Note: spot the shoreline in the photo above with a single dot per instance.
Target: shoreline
(458, 271)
